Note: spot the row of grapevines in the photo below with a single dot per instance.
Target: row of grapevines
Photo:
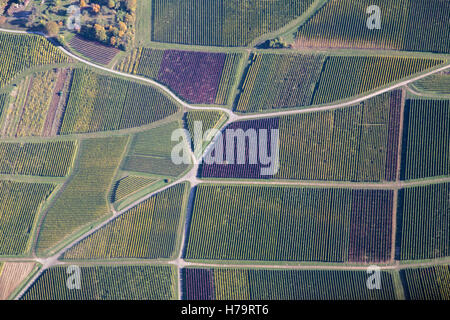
(208, 119)
(358, 143)
(142, 61)
(13, 112)
(4, 99)
(295, 80)
(93, 50)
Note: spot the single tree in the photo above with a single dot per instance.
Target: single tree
(52, 28)
(96, 8)
(131, 5)
(122, 26)
(100, 33)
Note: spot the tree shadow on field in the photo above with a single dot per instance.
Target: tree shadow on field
(405, 140)
(189, 213)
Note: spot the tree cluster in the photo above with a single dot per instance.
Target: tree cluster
(119, 34)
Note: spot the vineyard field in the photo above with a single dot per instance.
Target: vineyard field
(425, 229)
(208, 119)
(103, 103)
(85, 196)
(94, 51)
(12, 274)
(290, 224)
(20, 52)
(232, 168)
(150, 152)
(409, 25)
(426, 151)
(27, 115)
(20, 204)
(149, 230)
(4, 98)
(296, 80)
(130, 185)
(106, 283)
(279, 81)
(358, 143)
(345, 77)
(260, 284)
(436, 84)
(430, 283)
(197, 77)
(228, 23)
(50, 159)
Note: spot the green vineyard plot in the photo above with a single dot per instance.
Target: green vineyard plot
(102, 103)
(225, 150)
(263, 284)
(50, 159)
(106, 283)
(84, 197)
(279, 81)
(424, 231)
(345, 77)
(36, 105)
(435, 84)
(410, 25)
(20, 204)
(426, 136)
(228, 23)
(427, 283)
(3, 103)
(20, 52)
(290, 224)
(149, 230)
(208, 119)
(359, 143)
(129, 185)
(150, 152)
(297, 80)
